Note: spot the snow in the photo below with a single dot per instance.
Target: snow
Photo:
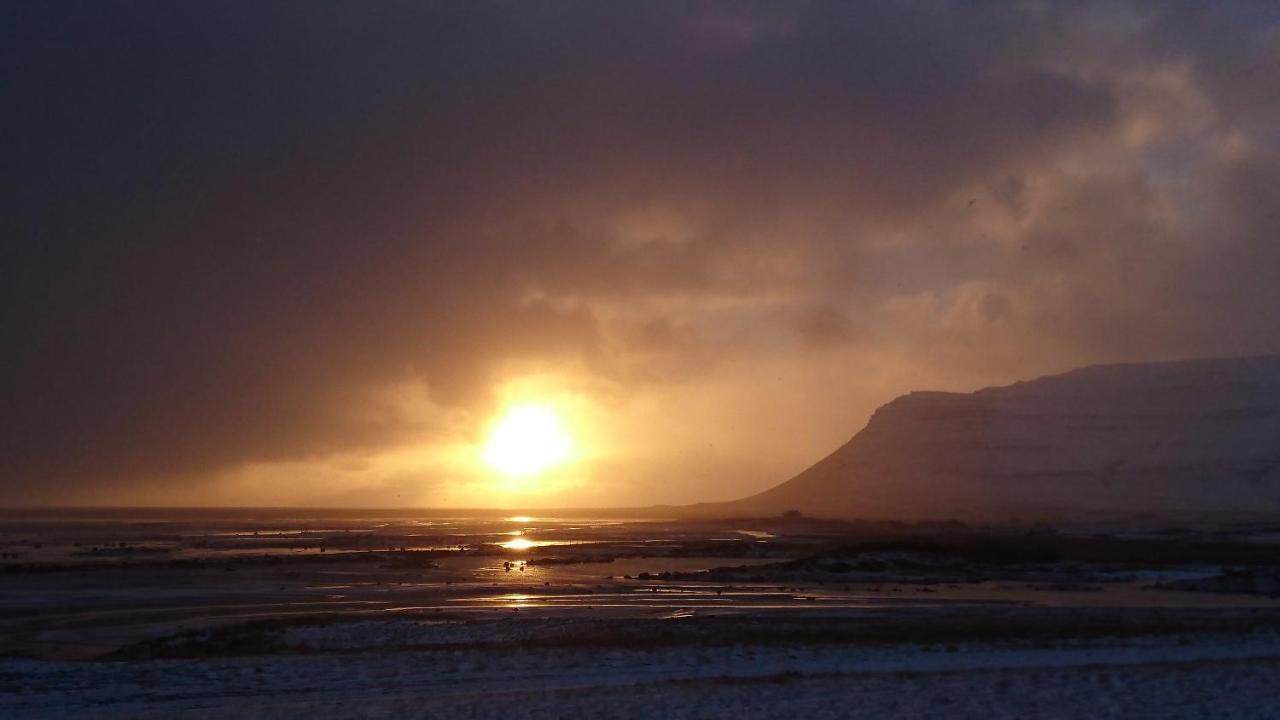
(1167, 677)
(1165, 439)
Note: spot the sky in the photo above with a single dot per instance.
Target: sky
(310, 253)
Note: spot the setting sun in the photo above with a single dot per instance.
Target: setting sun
(528, 440)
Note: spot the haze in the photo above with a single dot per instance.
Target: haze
(299, 253)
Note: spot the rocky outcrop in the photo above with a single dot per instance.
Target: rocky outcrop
(1166, 439)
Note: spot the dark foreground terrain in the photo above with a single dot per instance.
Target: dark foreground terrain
(273, 615)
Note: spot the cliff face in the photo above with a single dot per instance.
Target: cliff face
(1177, 439)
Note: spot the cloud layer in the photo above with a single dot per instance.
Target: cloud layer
(267, 241)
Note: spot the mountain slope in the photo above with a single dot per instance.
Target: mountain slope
(1184, 438)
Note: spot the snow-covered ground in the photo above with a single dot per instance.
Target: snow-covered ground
(1171, 677)
(922, 622)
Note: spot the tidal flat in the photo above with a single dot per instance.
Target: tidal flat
(280, 613)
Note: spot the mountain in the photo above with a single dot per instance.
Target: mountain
(1178, 439)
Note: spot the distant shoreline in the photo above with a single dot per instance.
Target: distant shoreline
(322, 511)
(700, 512)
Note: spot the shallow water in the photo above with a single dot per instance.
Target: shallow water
(83, 583)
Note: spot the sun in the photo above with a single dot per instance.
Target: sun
(527, 440)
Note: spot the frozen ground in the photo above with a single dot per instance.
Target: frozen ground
(1205, 677)
(290, 618)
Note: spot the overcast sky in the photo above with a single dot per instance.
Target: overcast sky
(305, 253)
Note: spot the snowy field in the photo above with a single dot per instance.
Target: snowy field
(334, 618)
(1205, 677)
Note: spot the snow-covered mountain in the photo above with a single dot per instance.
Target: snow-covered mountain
(1161, 439)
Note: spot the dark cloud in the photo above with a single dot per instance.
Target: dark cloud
(825, 325)
(229, 229)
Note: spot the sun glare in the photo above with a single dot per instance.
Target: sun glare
(528, 440)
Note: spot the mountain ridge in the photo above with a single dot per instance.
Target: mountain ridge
(1179, 438)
